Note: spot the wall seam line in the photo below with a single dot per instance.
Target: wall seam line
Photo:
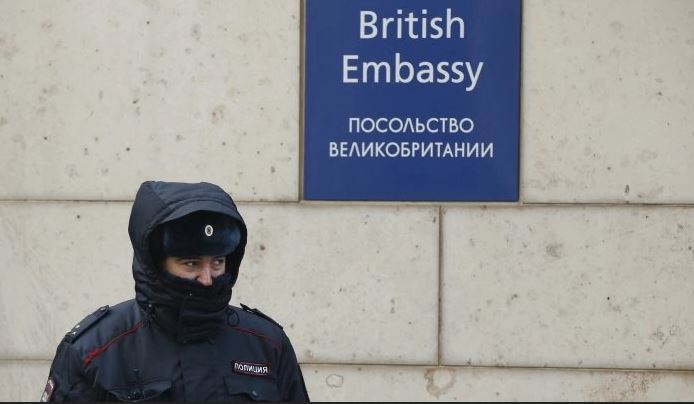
(439, 335)
(429, 366)
(394, 204)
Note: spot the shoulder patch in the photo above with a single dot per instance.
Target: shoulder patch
(83, 325)
(260, 314)
(48, 390)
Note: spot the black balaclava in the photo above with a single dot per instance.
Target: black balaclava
(185, 309)
(188, 310)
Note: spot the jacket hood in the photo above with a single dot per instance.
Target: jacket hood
(159, 202)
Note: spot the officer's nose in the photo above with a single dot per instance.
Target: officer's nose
(205, 277)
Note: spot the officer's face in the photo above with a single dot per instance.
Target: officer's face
(200, 269)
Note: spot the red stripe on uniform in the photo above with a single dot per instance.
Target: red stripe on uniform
(273, 341)
(99, 350)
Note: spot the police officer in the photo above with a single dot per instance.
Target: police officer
(179, 340)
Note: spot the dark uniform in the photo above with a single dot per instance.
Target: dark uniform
(177, 340)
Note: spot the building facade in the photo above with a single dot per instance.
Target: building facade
(583, 290)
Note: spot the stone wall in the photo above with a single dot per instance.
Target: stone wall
(581, 291)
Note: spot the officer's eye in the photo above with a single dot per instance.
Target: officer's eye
(190, 264)
(219, 261)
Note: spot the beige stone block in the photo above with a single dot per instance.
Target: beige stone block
(607, 101)
(347, 283)
(22, 380)
(596, 287)
(62, 262)
(98, 96)
(414, 383)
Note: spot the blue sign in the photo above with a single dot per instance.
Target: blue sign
(413, 100)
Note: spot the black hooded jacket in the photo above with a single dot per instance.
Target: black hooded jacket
(177, 340)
